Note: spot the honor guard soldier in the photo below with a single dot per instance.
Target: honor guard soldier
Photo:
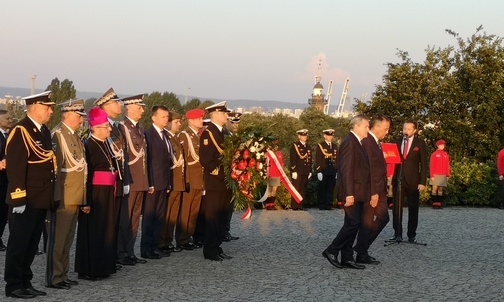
(129, 216)
(325, 162)
(300, 166)
(217, 194)
(31, 170)
(70, 189)
(112, 105)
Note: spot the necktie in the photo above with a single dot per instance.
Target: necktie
(406, 146)
(329, 145)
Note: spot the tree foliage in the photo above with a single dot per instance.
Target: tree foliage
(61, 92)
(456, 93)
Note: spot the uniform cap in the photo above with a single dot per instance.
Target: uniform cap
(76, 106)
(43, 98)
(195, 113)
(328, 131)
(109, 95)
(302, 132)
(218, 107)
(234, 117)
(136, 99)
(440, 142)
(97, 116)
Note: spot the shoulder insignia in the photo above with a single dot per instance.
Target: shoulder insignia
(205, 142)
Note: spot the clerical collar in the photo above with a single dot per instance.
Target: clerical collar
(38, 125)
(71, 130)
(98, 139)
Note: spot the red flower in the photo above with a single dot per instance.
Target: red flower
(246, 153)
(252, 162)
(242, 165)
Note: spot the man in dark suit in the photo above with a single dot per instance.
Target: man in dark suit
(159, 164)
(129, 216)
(325, 167)
(300, 166)
(217, 196)
(412, 174)
(353, 186)
(5, 124)
(371, 227)
(31, 167)
(112, 105)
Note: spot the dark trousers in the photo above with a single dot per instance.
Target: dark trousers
(24, 236)
(344, 240)
(216, 207)
(412, 195)
(501, 193)
(199, 230)
(300, 184)
(4, 210)
(373, 222)
(326, 191)
(154, 213)
(230, 212)
(129, 220)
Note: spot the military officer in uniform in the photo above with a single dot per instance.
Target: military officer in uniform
(70, 189)
(112, 105)
(217, 194)
(129, 216)
(192, 196)
(31, 170)
(300, 166)
(325, 167)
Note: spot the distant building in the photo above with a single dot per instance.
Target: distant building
(318, 99)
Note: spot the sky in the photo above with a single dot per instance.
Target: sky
(226, 49)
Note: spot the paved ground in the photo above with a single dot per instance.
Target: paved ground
(278, 258)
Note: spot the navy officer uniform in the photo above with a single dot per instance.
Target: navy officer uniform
(300, 166)
(325, 167)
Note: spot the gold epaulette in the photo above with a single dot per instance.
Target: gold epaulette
(299, 153)
(215, 143)
(18, 193)
(323, 152)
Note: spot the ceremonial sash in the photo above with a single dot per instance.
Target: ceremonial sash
(284, 179)
(104, 178)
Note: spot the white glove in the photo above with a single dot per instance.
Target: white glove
(294, 175)
(126, 189)
(204, 192)
(336, 176)
(309, 176)
(19, 210)
(319, 176)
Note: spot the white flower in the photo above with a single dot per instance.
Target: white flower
(260, 166)
(252, 149)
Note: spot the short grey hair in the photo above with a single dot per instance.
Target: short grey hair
(356, 120)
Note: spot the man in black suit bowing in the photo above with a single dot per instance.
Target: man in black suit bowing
(353, 186)
(370, 227)
(5, 124)
(217, 194)
(412, 174)
(159, 171)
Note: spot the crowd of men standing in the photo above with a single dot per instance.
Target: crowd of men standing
(53, 181)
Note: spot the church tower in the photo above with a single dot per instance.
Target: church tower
(318, 100)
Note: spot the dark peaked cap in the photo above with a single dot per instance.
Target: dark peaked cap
(43, 98)
(109, 95)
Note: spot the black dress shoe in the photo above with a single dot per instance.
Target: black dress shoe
(366, 260)
(35, 292)
(224, 256)
(126, 261)
(198, 244)
(71, 282)
(187, 246)
(60, 285)
(3, 247)
(228, 237)
(20, 293)
(412, 240)
(328, 208)
(396, 238)
(352, 264)
(213, 257)
(118, 266)
(162, 253)
(333, 259)
(39, 252)
(151, 255)
(138, 260)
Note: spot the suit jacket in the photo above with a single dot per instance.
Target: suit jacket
(31, 174)
(3, 173)
(71, 177)
(325, 159)
(137, 163)
(414, 166)
(179, 168)
(159, 161)
(194, 171)
(213, 171)
(119, 144)
(300, 162)
(378, 166)
(353, 170)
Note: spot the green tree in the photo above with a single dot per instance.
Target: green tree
(61, 92)
(167, 99)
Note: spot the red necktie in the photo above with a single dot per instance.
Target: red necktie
(405, 151)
